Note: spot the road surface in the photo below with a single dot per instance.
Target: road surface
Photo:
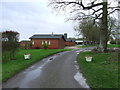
(57, 71)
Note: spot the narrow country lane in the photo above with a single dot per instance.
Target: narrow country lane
(57, 71)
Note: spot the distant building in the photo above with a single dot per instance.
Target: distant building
(25, 44)
(54, 41)
(69, 42)
(80, 42)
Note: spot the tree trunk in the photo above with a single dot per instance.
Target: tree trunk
(104, 30)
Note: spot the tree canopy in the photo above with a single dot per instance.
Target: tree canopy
(10, 42)
(89, 30)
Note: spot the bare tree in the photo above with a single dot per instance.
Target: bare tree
(99, 10)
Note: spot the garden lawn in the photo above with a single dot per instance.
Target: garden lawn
(113, 46)
(11, 67)
(109, 46)
(102, 72)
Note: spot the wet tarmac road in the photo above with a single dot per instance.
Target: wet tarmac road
(57, 71)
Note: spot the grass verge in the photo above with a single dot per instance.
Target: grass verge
(109, 46)
(11, 67)
(113, 45)
(102, 72)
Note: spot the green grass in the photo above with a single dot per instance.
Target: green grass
(11, 67)
(102, 72)
(113, 45)
(109, 46)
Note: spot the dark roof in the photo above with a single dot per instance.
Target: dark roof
(25, 41)
(70, 40)
(47, 36)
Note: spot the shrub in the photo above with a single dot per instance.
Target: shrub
(10, 44)
(45, 45)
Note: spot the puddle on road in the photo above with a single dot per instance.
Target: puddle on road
(32, 75)
(32, 66)
(80, 51)
(29, 75)
(77, 67)
(75, 61)
(77, 51)
(80, 79)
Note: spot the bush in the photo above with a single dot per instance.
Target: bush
(9, 44)
(45, 45)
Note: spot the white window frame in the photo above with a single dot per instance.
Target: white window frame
(33, 42)
(46, 42)
(49, 42)
(42, 42)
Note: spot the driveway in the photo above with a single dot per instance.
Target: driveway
(57, 71)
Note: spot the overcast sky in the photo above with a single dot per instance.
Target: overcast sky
(30, 18)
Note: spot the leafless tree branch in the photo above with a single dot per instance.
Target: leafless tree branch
(96, 11)
(113, 11)
(60, 4)
(80, 4)
(114, 7)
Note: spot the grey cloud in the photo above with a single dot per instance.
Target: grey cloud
(28, 18)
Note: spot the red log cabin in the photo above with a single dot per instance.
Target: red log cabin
(54, 41)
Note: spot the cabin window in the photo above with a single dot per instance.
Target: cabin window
(33, 43)
(47, 42)
(42, 42)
